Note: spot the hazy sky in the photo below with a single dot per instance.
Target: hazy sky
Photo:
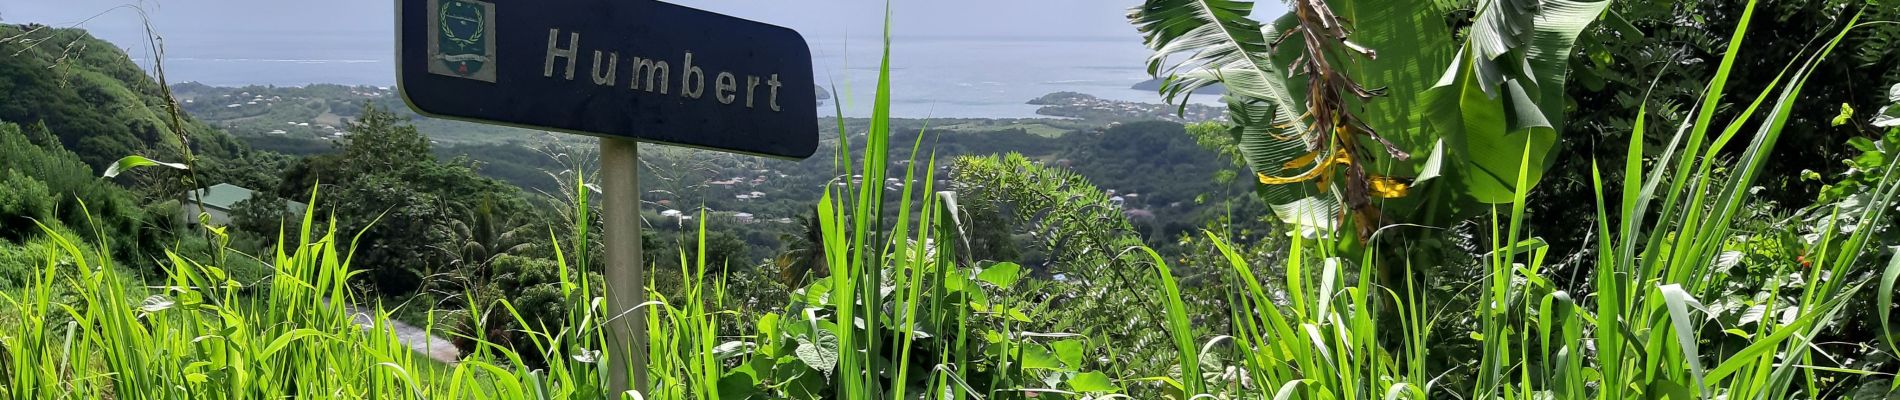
(1052, 45)
(817, 19)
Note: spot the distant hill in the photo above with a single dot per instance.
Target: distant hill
(1087, 107)
(281, 117)
(1154, 85)
(99, 103)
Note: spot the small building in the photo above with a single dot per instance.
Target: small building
(743, 218)
(221, 199)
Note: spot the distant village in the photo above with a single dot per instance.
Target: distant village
(745, 189)
(1083, 106)
(252, 107)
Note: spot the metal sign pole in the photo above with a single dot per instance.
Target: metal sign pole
(627, 331)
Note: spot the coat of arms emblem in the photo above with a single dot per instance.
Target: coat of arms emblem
(461, 39)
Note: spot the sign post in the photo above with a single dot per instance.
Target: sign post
(620, 189)
(623, 71)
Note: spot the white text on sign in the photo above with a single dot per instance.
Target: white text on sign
(655, 75)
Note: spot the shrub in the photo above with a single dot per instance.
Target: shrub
(530, 286)
(73, 190)
(23, 201)
(22, 260)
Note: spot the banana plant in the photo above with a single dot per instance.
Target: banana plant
(1393, 97)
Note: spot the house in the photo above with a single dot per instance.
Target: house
(221, 199)
(743, 218)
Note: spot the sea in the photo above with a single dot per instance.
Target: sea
(931, 77)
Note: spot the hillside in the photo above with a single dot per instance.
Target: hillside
(99, 103)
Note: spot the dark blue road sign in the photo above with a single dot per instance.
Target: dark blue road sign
(634, 69)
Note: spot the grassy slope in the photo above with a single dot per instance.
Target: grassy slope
(101, 104)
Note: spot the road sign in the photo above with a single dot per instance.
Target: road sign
(622, 70)
(631, 69)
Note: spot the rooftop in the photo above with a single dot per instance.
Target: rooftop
(225, 196)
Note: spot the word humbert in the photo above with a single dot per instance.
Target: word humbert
(655, 75)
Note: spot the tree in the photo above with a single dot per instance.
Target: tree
(804, 255)
(262, 215)
(1461, 114)
(378, 141)
(1398, 119)
(478, 236)
(416, 215)
(394, 226)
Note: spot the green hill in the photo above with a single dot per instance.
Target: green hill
(99, 103)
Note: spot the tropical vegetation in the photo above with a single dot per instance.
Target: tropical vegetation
(1496, 199)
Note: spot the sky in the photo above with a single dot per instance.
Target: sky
(946, 52)
(816, 19)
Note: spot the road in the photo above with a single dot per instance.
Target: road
(417, 339)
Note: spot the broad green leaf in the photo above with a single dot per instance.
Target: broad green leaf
(1036, 356)
(1224, 44)
(1093, 382)
(1502, 26)
(1003, 274)
(1069, 351)
(133, 162)
(821, 355)
(1863, 144)
(1434, 163)
(1493, 113)
(739, 385)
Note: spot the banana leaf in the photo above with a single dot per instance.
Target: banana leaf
(1465, 111)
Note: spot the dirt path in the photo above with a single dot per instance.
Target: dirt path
(417, 339)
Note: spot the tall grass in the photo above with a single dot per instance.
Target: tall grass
(900, 313)
(1641, 334)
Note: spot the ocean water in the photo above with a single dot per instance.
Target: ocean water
(942, 77)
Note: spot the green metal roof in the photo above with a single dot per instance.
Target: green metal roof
(225, 196)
